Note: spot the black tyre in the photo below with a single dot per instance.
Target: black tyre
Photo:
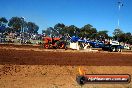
(61, 44)
(119, 49)
(112, 49)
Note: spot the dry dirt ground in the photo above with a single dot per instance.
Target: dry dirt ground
(29, 67)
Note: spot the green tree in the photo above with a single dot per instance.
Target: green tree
(122, 37)
(32, 27)
(3, 22)
(117, 33)
(48, 32)
(16, 24)
(8, 30)
(128, 37)
(72, 30)
(102, 34)
(130, 41)
(59, 29)
(88, 31)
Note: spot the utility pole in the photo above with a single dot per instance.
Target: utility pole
(120, 4)
(22, 30)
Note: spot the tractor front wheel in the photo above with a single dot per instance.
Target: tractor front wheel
(61, 45)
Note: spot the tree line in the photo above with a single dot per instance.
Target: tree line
(17, 24)
(87, 31)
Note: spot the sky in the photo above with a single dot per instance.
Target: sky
(101, 14)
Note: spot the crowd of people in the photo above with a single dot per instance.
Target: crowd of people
(22, 38)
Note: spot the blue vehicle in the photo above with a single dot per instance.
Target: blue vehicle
(81, 43)
(77, 39)
(95, 44)
(74, 39)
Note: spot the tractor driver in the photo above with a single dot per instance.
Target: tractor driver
(53, 41)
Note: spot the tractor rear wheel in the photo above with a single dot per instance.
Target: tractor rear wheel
(46, 46)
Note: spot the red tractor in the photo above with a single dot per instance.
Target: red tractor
(56, 43)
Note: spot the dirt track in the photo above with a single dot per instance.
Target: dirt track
(35, 68)
(30, 57)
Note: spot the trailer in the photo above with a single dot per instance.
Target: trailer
(77, 43)
(112, 46)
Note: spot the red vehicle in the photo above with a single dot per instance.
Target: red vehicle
(56, 43)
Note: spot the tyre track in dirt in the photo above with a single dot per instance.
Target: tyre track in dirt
(30, 57)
